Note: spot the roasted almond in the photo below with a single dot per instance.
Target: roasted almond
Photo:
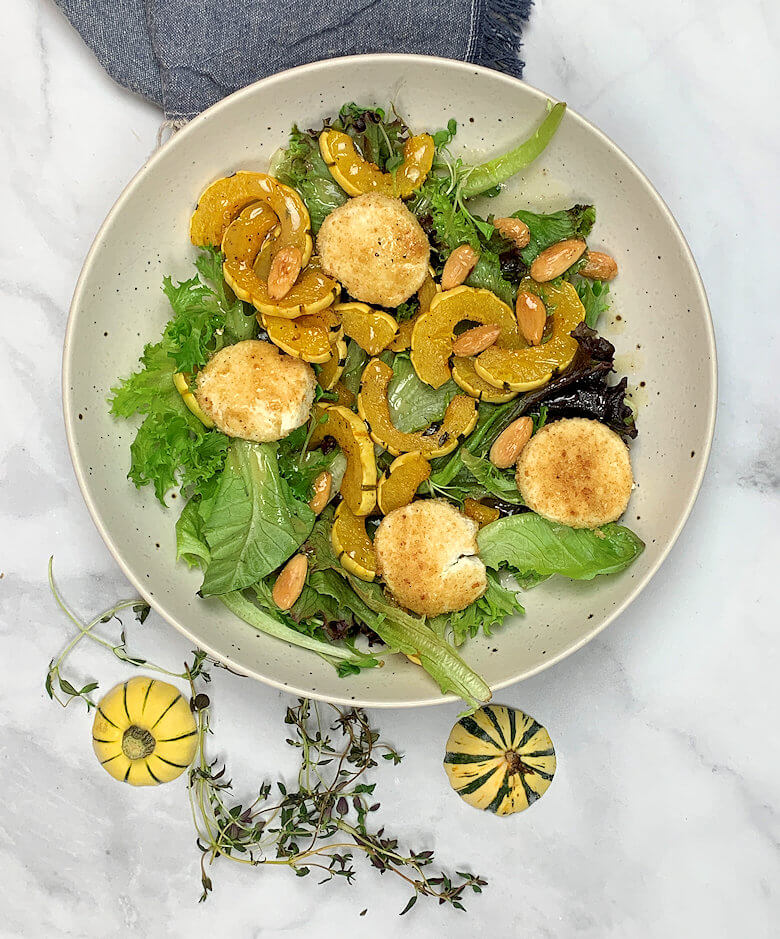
(458, 266)
(531, 317)
(510, 442)
(321, 486)
(290, 581)
(476, 340)
(284, 271)
(599, 266)
(513, 230)
(555, 260)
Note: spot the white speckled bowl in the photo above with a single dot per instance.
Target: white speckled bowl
(662, 331)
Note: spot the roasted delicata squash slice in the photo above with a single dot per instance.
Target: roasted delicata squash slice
(225, 199)
(373, 330)
(311, 337)
(312, 292)
(481, 513)
(499, 759)
(242, 243)
(357, 175)
(400, 484)
(528, 367)
(373, 406)
(358, 487)
(332, 369)
(182, 385)
(465, 376)
(351, 543)
(434, 330)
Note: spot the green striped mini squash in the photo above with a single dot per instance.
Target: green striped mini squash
(499, 759)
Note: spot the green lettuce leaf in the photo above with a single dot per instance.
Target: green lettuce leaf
(265, 620)
(301, 166)
(594, 295)
(495, 482)
(486, 176)
(485, 614)
(530, 544)
(171, 446)
(547, 230)
(413, 404)
(255, 523)
(399, 630)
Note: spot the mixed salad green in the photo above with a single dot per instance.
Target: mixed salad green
(246, 508)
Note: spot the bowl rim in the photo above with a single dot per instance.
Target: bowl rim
(69, 411)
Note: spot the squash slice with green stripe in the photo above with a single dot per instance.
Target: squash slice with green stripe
(499, 759)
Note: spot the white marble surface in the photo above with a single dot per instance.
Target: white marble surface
(663, 819)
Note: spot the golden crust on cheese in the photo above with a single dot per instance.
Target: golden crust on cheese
(427, 555)
(253, 391)
(375, 247)
(576, 472)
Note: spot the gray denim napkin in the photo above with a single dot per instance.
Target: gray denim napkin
(185, 55)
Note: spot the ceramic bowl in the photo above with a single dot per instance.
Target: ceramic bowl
(660, 324)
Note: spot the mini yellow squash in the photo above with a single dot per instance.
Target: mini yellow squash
(144, 732)
(499, 759)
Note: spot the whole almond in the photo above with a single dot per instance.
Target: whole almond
(321, 486)
(284, 271)
(510, 442)
(513, 230)
(476, 340)
(553, 261)
(458, 266)
(531, 317)
(290, 581)
(599, 266)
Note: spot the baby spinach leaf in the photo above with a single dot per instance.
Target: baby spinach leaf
(529, 543)
(255, 523)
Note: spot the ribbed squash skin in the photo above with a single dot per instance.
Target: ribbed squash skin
(310, 337)
(404, 477)
(499, 759)
(434, 330)
(523, 369)
(351, 543)
(333, 368)
(225, 199)
(357, 175)
(459, 418)
(373, 330)
(358, 488)
(466, 377)
(144, 713)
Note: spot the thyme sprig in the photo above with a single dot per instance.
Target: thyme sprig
(321, 825)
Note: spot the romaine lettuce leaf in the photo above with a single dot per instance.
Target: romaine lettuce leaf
(255, 523)
(529, 544)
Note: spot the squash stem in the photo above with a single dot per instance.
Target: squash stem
(137, 743)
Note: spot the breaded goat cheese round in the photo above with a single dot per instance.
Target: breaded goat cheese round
(375, 247)
(427, 555)
(576, 472)
(253, 391)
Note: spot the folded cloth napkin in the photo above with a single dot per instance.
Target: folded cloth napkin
(185, 55)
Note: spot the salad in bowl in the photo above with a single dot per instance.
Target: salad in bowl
(389, 416)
